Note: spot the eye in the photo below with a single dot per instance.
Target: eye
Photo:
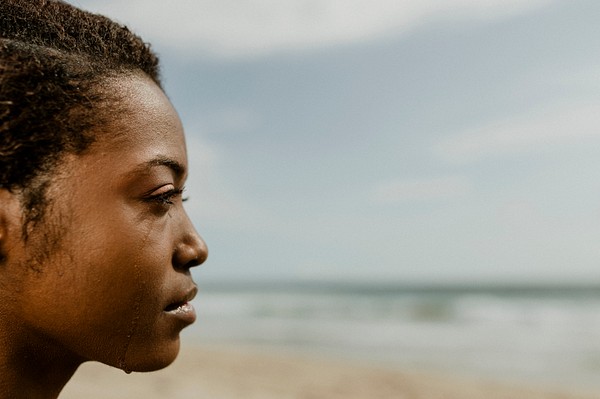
(166, 195)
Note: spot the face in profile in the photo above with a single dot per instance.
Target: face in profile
(106, 275)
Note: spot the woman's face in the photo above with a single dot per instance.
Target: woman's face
(106, 275)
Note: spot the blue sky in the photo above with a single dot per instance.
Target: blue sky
(386, 140)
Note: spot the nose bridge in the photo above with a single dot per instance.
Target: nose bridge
(191, 250)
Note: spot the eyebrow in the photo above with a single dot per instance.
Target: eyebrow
(172, 164)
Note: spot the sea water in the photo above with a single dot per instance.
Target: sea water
(538, 335)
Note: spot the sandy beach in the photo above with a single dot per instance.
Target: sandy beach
(246, 373)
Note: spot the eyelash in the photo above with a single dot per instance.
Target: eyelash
(167, 197)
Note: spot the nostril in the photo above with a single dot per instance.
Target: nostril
(193, 262)
(190, 254)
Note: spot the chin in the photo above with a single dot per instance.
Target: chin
(151, 359)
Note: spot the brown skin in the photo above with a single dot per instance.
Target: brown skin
(121, 250)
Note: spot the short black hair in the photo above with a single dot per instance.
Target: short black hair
(54, 59)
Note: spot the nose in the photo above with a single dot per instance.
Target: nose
(191, 250)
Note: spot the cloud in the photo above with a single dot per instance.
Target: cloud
(211, 201)
(233, 29)
(427, 189)
(231, 119)
(551, 128)
(214, 202)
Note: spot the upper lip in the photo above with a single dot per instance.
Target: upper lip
(191, 293)
(183, 297)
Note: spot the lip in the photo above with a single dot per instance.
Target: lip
(181, 308)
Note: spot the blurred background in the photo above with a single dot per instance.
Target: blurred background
(412, 183)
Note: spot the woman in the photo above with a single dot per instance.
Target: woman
(95, 246)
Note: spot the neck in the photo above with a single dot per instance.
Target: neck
(30, 370)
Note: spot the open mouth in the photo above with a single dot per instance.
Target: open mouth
(176, 306)
(181, 309)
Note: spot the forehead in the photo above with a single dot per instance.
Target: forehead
(141, 111)
(142, 125)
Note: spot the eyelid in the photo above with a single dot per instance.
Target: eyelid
(162, 190)
(165, 195)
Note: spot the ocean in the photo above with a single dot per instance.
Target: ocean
(538, 335)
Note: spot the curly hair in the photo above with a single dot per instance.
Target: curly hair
(54, 59)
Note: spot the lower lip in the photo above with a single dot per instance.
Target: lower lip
(185, 312)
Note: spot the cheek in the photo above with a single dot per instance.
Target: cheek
(130, 276)
(152, 343)
(105, 291)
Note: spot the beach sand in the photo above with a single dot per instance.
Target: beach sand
(246, 373)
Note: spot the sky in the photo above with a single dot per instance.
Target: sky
(386, 140)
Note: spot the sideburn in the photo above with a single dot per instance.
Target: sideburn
(44, 226)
